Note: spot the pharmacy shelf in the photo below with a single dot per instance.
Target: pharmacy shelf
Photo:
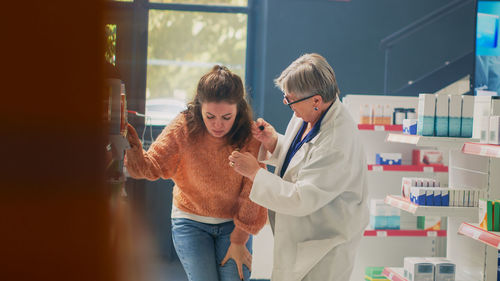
(404, 233)
(394, 273)
(442, 142)
(489, 150)
(440, 211)
(408, 168)
(374, 127)
(477, 233)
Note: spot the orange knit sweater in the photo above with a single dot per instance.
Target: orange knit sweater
(205, 184)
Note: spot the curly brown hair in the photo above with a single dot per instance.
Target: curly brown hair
(221, 85)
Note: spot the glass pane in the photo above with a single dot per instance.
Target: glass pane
(206, 2)
(110, 52)
(182, 46)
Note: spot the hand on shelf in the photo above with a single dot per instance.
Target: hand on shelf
(133, 137)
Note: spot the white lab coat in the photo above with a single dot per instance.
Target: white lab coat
(318, 211)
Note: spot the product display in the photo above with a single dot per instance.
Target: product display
(388, 159)
(427, 157)
(410, 126)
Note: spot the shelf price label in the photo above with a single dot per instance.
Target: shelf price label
(429, 169)
(378, 128)
(381, 233)
(377, 168)
(431, 233)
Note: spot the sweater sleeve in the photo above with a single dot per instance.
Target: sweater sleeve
(250, 217)
(162, 158)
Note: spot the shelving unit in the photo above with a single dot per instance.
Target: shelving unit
(385, 179)
(441, 211)
(467, 167)
(479, 234)
(408, 168)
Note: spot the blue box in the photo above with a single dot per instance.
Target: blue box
(388, 159)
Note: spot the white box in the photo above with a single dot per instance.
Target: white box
(426, 110)
(454, 115)
(484, 106)
(418, 269)
(441, 120)
(444, 270)
(452, 197)
(467, 116)
(484, 131)
(494, 130)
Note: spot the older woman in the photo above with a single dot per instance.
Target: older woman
(317, 198)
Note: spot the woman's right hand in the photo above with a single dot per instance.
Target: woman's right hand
(265, 133)
(133, 137)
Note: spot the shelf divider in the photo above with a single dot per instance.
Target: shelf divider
(482, 149)
(443, 142)
(477, 233)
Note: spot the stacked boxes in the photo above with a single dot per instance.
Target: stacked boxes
(445, 115)
(429, 269)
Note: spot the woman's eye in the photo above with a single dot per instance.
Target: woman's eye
(210, 117)
(226, 118)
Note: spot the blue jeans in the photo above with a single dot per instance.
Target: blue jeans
(201, 247)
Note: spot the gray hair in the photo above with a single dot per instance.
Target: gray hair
(309, 74)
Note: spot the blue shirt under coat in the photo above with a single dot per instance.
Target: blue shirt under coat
(297, 143)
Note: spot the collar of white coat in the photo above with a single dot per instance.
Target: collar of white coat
(327, 121)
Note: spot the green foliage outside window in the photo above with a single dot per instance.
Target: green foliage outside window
(110, 48)
(182, 46)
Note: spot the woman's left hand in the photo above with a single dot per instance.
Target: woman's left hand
(241, 256)
(244, 163)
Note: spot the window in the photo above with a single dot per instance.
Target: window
(209, 2)
(184, 45)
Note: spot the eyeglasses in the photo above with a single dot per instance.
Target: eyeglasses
(287, 102)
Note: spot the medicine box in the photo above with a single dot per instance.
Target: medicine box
(426, 110)
(494, 130)
(467, 116)
(454, 115)
(410, 126)
(427, 157)
(388, 159)
(441, 116)
(418, 269)
(444, 270)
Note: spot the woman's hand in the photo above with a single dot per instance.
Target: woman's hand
(244, 163)
(132, 137)
(241, 256)
(265, 133)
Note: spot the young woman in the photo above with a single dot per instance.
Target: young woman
(212, 216)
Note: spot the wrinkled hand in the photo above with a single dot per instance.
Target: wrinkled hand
(133, 137)
(241, 256)
(244, 163)
(268, 136)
